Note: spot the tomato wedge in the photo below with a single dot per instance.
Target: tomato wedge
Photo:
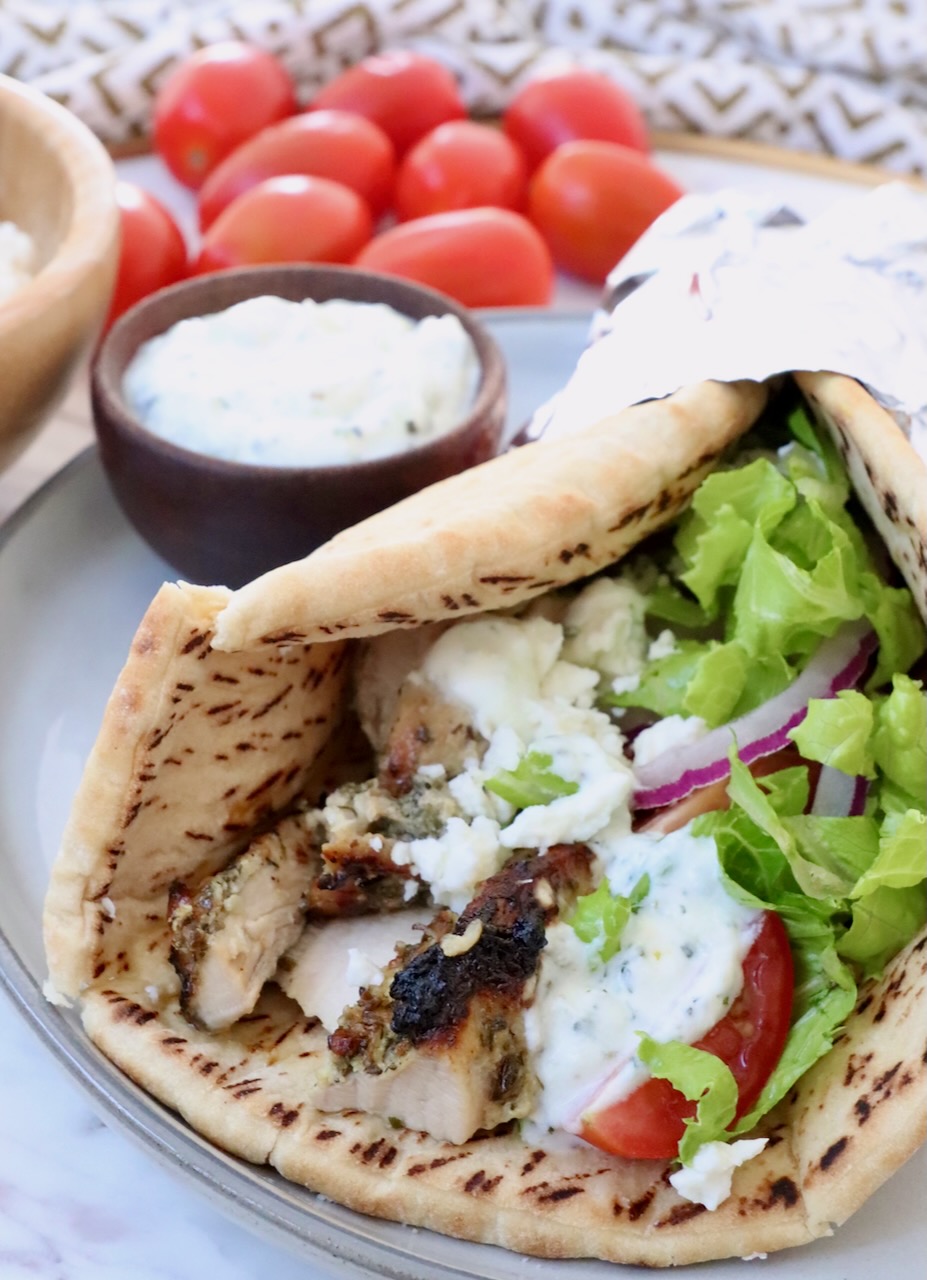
(648, 1124)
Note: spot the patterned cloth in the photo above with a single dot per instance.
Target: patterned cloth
(844, 77)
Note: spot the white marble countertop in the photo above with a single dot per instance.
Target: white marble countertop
(78, 1201)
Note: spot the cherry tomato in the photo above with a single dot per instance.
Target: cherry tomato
(591, 201)
(648, 1124)
(290, 219)
(152, 254)
(405, 93)
(568, 107)
(481, 257)
(215, 100)
(319, 144)
(460, 165)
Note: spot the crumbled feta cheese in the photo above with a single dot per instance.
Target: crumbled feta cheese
(625, 684)
(361, 971)
(604, 783)
(574, 684)
(494, 667)
(17, 254)
(109, 908)
(454, 863)
(432, 772)
(664, 645)
(667, 734)
(708, 1179)
(604, 627)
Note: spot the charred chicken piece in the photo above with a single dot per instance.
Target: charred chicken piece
(359, 876)
(439, 1044)
(228, 936)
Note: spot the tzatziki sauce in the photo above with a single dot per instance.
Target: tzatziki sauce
(282, 383)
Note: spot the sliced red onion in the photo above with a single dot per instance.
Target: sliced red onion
(839, 795)
(838, 664)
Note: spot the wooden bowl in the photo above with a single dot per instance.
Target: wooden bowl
(217, 521)
(57, 183)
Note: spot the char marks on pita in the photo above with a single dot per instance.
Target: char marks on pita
(222, 723)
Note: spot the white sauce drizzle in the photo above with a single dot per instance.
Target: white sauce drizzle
(678, 970)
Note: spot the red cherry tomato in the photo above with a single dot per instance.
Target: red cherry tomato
(152, 254)
(460, 165)
(214, 101)
(591, 201)
(648, 1124)
(568, 107)
(290, 219)
(320, 144)
(481, 257)
(405, 93)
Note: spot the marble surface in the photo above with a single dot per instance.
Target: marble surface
(79, 1202)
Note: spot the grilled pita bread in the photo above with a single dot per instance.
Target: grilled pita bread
(225, 713)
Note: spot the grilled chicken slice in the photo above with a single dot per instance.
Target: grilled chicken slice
(228, 936)
(426, 730)
(359, 876)
(380, 671)
(333, 959)
(439, 1044)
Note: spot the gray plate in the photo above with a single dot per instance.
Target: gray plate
(74, 581)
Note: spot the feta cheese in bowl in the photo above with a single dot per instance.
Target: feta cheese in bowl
(17, 257)
(226, 491)
(350, 381)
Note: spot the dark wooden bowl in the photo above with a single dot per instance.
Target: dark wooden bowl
(222, 522)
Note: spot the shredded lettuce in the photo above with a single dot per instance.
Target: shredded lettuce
(883, 922)
(850, 891)
(531, 782)
(601, 918)
(899, 742)
(768, 563)
(899, 863)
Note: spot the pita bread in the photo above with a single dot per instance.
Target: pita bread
(201, 745)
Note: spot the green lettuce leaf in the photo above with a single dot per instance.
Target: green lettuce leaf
(884, 921)
(717, 684)
(702, 1078)
(899, 862)
(897, 623)
(726, 508)
(664, 682)
(780, 607)
(601, 918)
(837, 732)
(822, 1004)
(531, 782)
(667, 603)
(900, 740)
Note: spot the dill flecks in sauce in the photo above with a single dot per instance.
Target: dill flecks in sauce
(282, 383)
